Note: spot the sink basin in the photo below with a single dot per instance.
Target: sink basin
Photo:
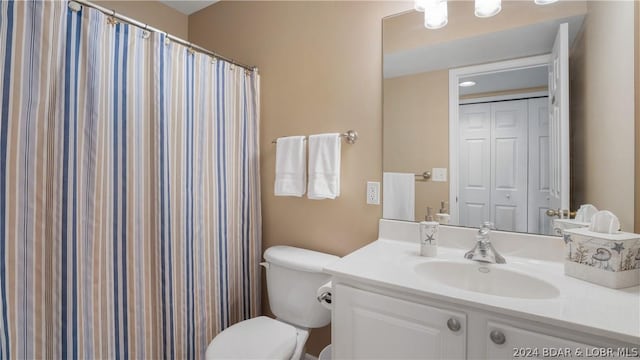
(489, 279)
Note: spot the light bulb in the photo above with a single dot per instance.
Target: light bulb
(467, 83)
(488, 8)
(436, 14)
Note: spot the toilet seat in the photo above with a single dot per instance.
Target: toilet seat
(257, 338)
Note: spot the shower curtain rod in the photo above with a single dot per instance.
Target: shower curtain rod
(147, 27)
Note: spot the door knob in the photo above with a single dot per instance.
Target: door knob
(558, 212)
(453, 324)
(497, 337)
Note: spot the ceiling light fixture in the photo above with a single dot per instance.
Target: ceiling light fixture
(467, 83)
(435, 14)
(487, 8)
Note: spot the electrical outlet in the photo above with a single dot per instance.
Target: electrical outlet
(373, 193)
(439, 174)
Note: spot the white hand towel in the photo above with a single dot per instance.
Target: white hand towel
(398, 196)
(324, 166)
(291, 161)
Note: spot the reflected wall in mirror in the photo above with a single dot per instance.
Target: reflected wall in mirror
(506, 156)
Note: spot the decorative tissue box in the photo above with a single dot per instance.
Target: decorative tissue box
(560, 225)
(611, 260)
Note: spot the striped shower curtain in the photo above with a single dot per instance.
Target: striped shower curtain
(129, 189)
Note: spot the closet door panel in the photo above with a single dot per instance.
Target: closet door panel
(509, 159)
(474, 158)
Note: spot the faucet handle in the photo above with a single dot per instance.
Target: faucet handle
(489, 225)
(485, 228)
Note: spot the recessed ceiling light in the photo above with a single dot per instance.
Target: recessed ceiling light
(467, 83)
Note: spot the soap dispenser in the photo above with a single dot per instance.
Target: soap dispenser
(443, 207)
(429, 236)
(429, 216)
(442, 216)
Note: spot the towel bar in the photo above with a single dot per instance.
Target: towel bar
(351, 136)
(425, 176)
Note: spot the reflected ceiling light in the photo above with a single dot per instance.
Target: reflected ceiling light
(544, 2)
(488, 8)
(420, 5)
(467, 83)
(435, 14)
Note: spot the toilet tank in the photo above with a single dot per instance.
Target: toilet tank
(293, 277)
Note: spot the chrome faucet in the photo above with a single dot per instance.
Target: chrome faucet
(483, 251)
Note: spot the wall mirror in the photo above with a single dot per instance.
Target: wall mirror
(510, 116)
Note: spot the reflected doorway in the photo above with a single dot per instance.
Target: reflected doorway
(500, 145)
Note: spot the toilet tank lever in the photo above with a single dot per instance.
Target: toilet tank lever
(265, 264)
(325, 296)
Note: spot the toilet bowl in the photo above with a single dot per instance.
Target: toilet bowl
(258, 338)
(293, 276)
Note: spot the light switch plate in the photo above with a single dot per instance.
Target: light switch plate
(439, 174)
(373, 193)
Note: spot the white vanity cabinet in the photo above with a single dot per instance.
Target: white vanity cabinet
(504, 341)
(391, 303)
(367, 325)
(372, 323)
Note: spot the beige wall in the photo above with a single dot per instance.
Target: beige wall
(153, 13)
(406, 32)
(320, 66)
(416, 132)
(602, 110)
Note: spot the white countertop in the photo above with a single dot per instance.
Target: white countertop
(581, 306)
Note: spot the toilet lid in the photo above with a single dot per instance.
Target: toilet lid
(257, 338)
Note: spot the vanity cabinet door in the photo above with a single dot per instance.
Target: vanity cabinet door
(508, 342)
(367, 325)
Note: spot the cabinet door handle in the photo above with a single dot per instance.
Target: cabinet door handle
(453, 324)
(497, 337)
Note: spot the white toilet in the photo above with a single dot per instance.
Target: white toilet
(293, 276)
